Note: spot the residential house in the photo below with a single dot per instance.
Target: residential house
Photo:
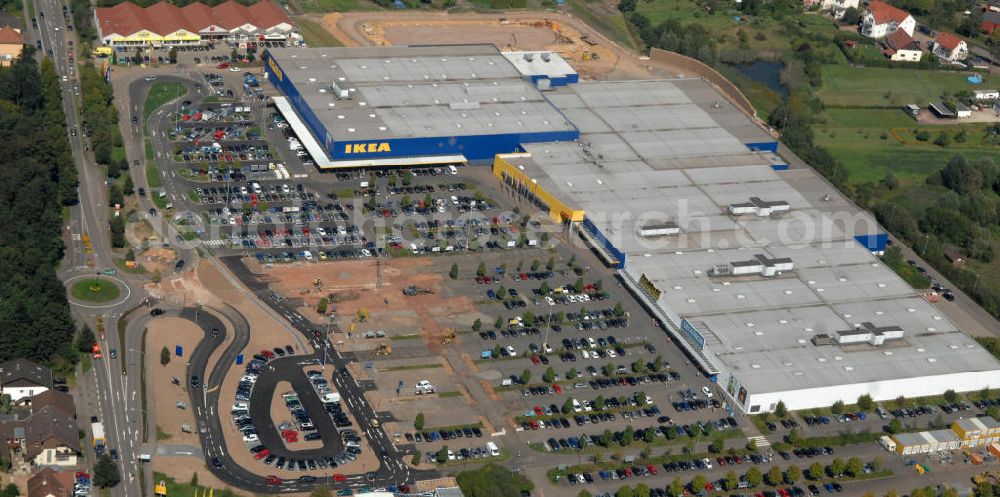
(23, 379)
(992, 6)
(962, 111)
(990, 22)
(836, 7)
(48, 435)
(901, 47)
(950, 47)
(986, 94)
(11, 44)
(881, 19)
(51, 438)
(51, 483)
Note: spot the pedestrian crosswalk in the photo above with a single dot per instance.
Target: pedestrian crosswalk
(759, 441)
(215, 243)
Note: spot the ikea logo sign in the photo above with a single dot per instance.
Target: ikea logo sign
(275, 69)
(367, 148)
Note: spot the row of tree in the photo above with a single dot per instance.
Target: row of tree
(36, 179)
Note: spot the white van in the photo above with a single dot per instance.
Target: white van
(256, 188)
(453, 169)
(492, 447)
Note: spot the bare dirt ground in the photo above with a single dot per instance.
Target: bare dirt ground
(169, 332)
(156, 259)
(182, 468)
(352, 288)
(552, 31)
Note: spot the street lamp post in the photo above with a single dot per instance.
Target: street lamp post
(927, 239)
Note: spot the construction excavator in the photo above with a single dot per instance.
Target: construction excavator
(984, 477)
(412, 291)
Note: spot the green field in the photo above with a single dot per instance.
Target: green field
(94, 290)
(613, 25)
(326, 6)
(161, 93)
(315, 36)
(879, 86)
(862, 140)
(175, 489)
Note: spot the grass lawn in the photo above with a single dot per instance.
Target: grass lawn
(613, 25)
(89, 290)
(315, 36)
(161, 93)
(334, 6)
(152, 176)
(175, 489)
(117, 154)
(879, 86)
(862, 140)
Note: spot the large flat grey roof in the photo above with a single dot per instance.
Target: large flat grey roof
(653, 152)
(411, 92)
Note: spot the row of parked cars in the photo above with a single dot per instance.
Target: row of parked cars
(452, 434)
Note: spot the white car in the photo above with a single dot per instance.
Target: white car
(252, 437)
(707, 462)
(234, 69)
(511, 351)
(611, 353)
(707, 392)
(550, 300)
(424, 384)
(585, 354)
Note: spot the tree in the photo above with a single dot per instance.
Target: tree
(453, 274)
(628, 436)
(854, 467)
(498, 323)
(567, 406)
(698, 483)
(549, 376)
(943, 139)
(625, 491)
(676, 487)
(117, 232)
(322, 305)
(837, 407)
(129, 186)
(85, 340)
(895, 426)
(418, 423)
(639, 366)
(608, 369)
(792, 437)
(106, 472)
(815, 471)
(642, 490)
(837, 467)
(11, 490)
(321, 490)
(732, 480)
(793, 474)
(578, 285)
(164, 356)
(865, 403)
(754, 477)
(550, 264)
(584, 493)
(950, 395)
(993, 412)
(525, 376)
(605, 438)
(619, 310)
(544, 288)
(658, 363)
(572, 374)
(775, 476)
(780, 410)
(852, 16)
(752, 445)
(599, 403)
(718, 445)
(481, 270)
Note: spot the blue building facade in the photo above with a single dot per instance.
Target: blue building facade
(473, 147)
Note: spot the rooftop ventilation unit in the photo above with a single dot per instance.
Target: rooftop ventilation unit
(529, 57)
(340, 93)
(546, 57)
(760, 264)
(868, 332)
(659, 229)
(757, 206)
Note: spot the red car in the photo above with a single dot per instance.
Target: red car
(651, 468)
(557, 389)
(224, 65)
(339, 477)
(272, 480)
(535, 360)
(267, 353)
(262, 454)
(539, 411)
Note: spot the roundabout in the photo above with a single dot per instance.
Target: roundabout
(97, 291)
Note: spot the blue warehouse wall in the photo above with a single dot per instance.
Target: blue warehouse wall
(477, 147)
(277, 78)
(605, 243)
(876, 243)
(763, 146)
(556, 81)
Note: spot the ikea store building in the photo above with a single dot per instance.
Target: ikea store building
(764, 274)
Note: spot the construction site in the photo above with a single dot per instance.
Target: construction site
(593, 56)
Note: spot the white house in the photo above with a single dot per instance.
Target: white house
(987, 94)
(900, 46)
(836, 7)
(950, 47)
(881, 20)
(23, 379)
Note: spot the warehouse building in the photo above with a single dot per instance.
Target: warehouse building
(964, 433)
(165, 24)
(768, 277)
(765, 275)
(390, 106)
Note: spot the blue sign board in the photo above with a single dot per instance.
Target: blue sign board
(239, 359)
(178, 351)
(692, 333)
